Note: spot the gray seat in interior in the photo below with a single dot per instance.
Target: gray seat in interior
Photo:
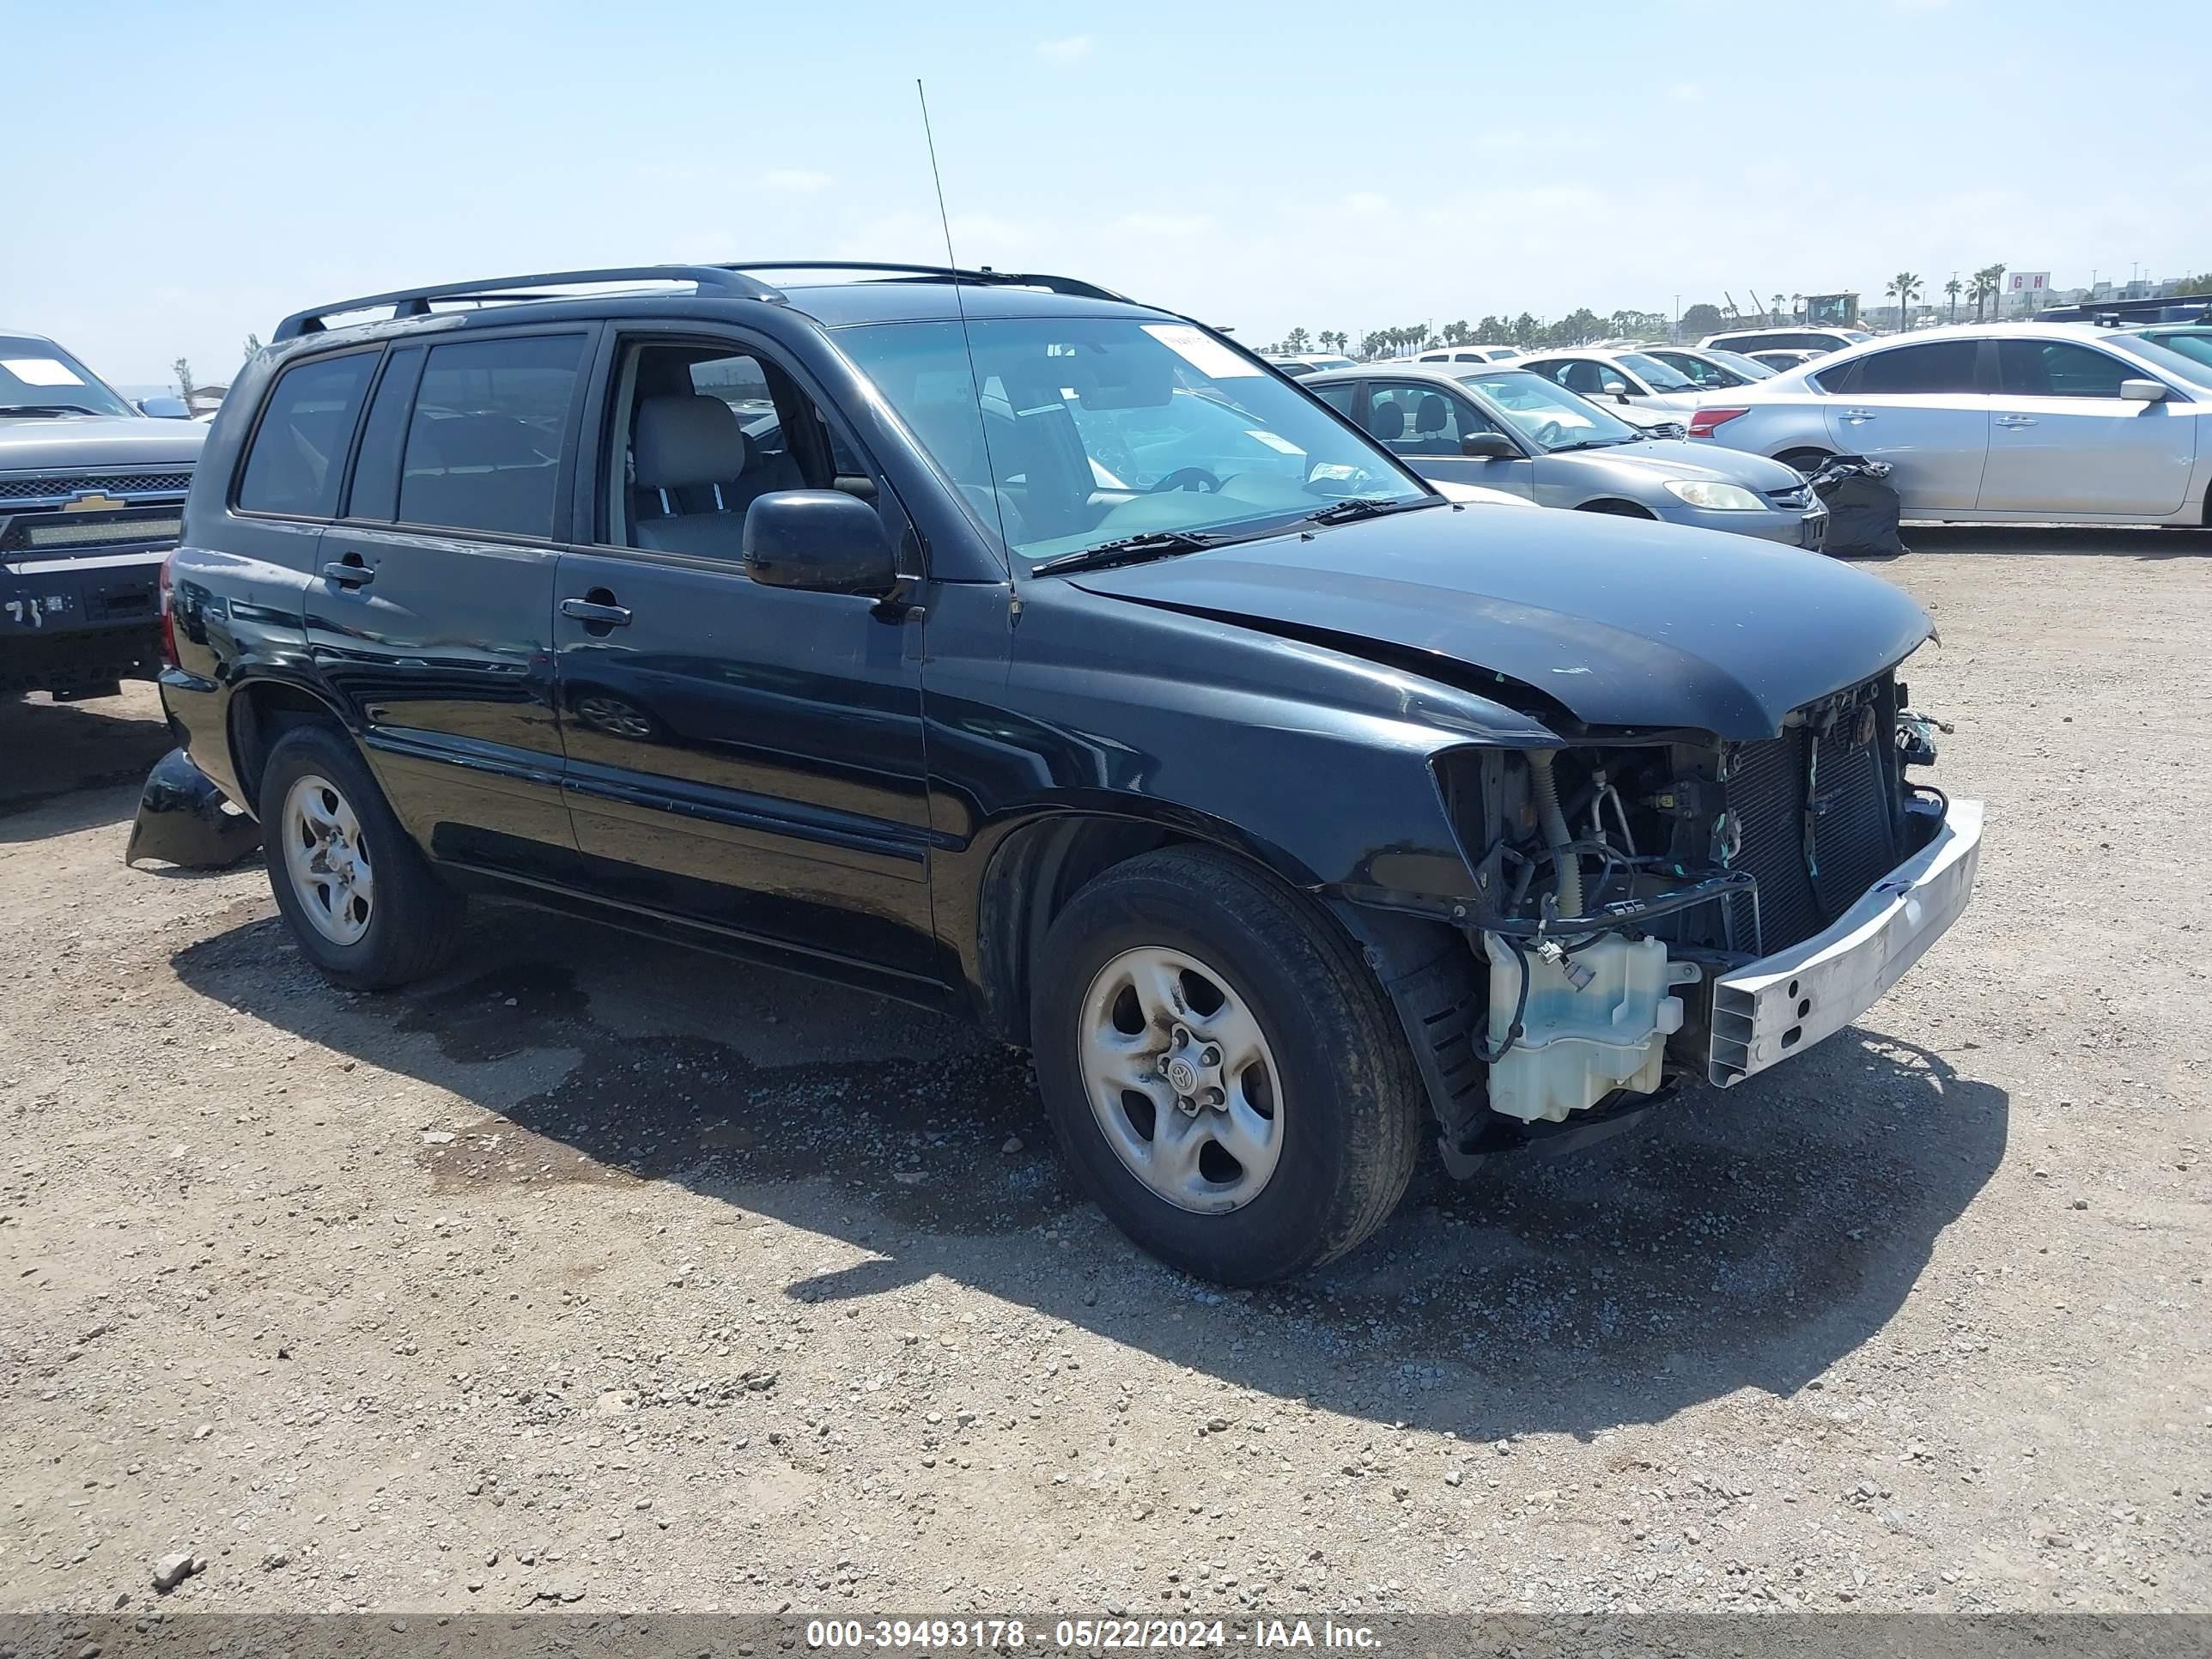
(690, 455)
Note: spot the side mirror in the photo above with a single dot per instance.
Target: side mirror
(1617, 389)
(2143, 392)
(1487, 446)
(822, 540)
(165, 409)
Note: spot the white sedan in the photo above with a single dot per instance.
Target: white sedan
(2042, 421)
(1635, 379)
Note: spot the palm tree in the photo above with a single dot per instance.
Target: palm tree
(1996, 292)
(1951, 288)
(1906, 286)
(1296, 341)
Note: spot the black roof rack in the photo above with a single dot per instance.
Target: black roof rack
(731, 279)
(982, 276)
(416, 301)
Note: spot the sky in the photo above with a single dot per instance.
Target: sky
(180, 176)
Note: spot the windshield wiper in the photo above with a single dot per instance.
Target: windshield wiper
(1152, 544)
(1355, 507)
(1596, 443)
(45, 408)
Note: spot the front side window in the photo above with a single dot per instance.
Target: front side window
(1548, 415)
(1410, 418)
(298, 457)
(1940, 366)
(1072, 434)
(705, 432)
(2059, 368)
(483, 443)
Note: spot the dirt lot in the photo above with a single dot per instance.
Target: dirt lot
(600, 1272)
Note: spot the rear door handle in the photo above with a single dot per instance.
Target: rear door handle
(591, 611)
(2015, 420)
(349, 573)
(1857, 416)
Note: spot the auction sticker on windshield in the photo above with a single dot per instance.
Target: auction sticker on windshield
(40, 371)
(1209, 357)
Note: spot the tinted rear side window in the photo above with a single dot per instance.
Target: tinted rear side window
(483, 446)
(1941, 365)
(299, 449)
(1339, 396)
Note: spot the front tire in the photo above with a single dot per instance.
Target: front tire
(1221, 1069)
(362, 901)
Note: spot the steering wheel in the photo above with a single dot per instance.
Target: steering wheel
(1551, 433)
(1188, 477)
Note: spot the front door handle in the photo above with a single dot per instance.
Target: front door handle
(1857, 416)
(592, 611)
(350, 571)
(2015, 420)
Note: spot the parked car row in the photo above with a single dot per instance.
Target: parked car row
(1503, 426)
(2050, 422)
(1000, 644)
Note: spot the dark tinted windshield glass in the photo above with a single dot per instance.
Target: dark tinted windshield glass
(299, 447)
(1092, 430)
(484, 447)
(34, 374)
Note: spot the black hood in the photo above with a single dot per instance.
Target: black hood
(1625, 622)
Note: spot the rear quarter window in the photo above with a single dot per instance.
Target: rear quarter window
(297, 458)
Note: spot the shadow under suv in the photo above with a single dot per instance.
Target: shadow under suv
(997, 643)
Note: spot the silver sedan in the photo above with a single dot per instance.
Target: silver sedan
(2038, 421)
(1504, 428)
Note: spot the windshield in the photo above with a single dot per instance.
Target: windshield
(1741, 364)
(1546, 413)
(1096, 430)
(1660, 377)
(37, 375)
(2184, 351)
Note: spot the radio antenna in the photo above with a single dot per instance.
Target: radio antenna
(967, 341)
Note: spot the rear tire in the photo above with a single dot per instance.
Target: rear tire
(1276, 1009)
(361, 900)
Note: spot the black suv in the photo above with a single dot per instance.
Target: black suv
(995, 642)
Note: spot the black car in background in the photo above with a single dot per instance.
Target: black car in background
(91, 487)
(998, 643)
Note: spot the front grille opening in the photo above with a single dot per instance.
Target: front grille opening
(1816, 809)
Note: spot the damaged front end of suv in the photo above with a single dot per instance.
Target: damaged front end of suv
(1655, 906)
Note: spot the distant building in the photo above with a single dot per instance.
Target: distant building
(206, 399)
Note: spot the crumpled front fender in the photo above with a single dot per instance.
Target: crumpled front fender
(185, 819)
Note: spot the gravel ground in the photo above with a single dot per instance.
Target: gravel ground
(602, 1273)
